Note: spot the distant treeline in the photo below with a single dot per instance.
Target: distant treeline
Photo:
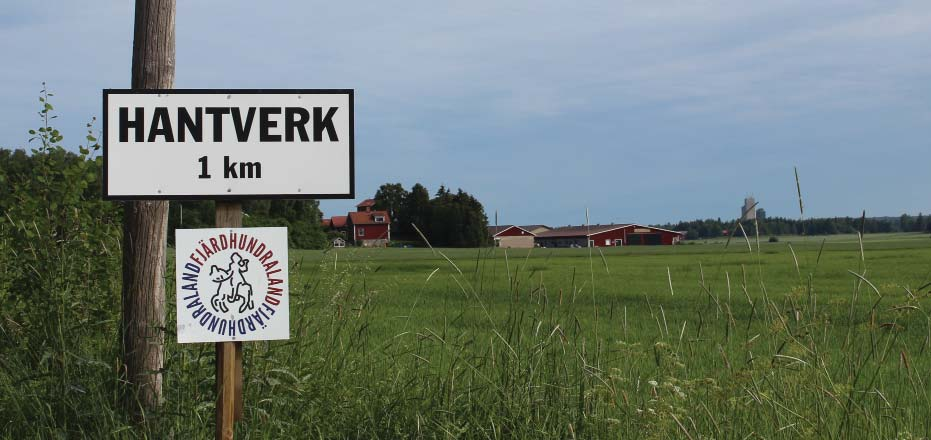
(453, 219)
(49, 179)
(772, 226)
(78, 179)
(301, 217)
(448, 219)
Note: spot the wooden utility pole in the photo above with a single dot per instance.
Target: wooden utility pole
(229, 354)
(145, 225)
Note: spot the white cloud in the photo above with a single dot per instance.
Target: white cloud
(434, 77)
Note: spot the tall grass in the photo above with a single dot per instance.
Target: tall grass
(544, 344)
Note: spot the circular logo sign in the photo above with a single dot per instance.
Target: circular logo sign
(232, 284)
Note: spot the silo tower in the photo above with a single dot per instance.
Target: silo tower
(748, 211)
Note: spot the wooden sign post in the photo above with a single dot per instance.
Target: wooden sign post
(232, 287)
(229, 354)
(179, 144)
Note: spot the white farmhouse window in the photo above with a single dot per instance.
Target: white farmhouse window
(362, 232)
(379, 219)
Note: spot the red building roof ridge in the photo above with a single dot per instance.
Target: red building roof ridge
(368, 217)
(581, 230)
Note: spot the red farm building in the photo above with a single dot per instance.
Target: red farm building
(369, 228)
(366, 227)
(336, 223)
(607, 235)
(366, 205)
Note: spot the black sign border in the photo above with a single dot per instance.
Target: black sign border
(295, 196)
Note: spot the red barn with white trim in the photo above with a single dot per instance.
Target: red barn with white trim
(365, 227)
(607, 235)
(370, 228)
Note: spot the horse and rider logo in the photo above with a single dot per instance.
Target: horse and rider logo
(232, 286)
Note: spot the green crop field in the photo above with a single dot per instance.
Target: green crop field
(711, 341)
(803, 338)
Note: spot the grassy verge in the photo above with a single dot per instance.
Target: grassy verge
(796, 339)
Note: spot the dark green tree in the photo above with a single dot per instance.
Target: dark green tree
(189, 215)
(390, 197)
(416, 210)
(921, 223)
(457, 220)
(906, 223)
(442, 218)
(474, 230)
(302, 217)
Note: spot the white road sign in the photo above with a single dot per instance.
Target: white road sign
(232, 284)
(228, 144)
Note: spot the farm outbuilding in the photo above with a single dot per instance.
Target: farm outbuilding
(336, 223)
(370, 228)
(365, 227)
(535, 229)
(607, 235)
(510, 236)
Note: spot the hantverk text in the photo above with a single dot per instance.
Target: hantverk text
(275, 124)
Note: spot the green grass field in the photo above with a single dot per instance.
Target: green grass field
(670, 342)
(804, 338)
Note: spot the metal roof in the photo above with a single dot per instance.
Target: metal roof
(580, 231)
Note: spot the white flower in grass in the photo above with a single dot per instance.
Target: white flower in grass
(653, 383)
(678, 392)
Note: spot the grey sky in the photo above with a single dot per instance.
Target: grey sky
(639, 111)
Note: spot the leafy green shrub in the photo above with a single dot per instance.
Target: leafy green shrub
(59, 269)
(301, 217)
